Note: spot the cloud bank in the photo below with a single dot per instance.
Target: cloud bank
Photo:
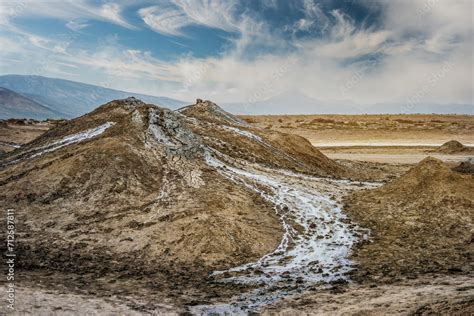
(395, 52)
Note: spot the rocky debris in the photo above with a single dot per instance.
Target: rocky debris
(132, 102)
(466, 167)
(169, 129)
(454, 147)
(421, 222)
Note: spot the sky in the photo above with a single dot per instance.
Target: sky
(364, 51)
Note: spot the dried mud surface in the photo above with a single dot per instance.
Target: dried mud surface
(408, 129)
(427, 295)
(17, 132)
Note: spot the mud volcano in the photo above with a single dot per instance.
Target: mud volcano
(138, 190)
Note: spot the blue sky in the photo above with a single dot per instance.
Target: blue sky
(364, 51)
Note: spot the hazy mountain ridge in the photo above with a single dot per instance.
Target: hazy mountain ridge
(13, 104)
(68, 99)
(73, 98)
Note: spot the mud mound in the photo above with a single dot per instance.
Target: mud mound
(421, 222)
(453, 147)
(127, 188)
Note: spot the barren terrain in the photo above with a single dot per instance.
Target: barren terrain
(159, 211)
(377, 138)
(17, 132)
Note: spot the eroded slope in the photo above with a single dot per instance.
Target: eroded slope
(422, 222)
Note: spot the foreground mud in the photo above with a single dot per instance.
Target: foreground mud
(429, 294)
(40, 293)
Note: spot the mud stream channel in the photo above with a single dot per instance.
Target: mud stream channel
(316, 242)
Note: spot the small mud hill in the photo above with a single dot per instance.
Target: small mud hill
(128, 188)
(454, 147)
(421, 222)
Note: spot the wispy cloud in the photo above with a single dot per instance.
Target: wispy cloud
(66, 10)
(171, 17)
(76, 25)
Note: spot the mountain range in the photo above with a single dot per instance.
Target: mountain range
(14, 105)
(44, 97)
(64, 98)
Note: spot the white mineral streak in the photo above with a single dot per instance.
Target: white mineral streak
(243, 133)
(316, 242)
(68, 140)
(74, 138)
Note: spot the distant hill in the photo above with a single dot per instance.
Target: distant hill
(72, 98)
(15, 105)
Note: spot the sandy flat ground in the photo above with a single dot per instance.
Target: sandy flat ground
(438, 295)
(392, 157)
(39, 301)
(396, 139)
(394, 154)
(358, 137)
(435, 294)
(384, 143)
